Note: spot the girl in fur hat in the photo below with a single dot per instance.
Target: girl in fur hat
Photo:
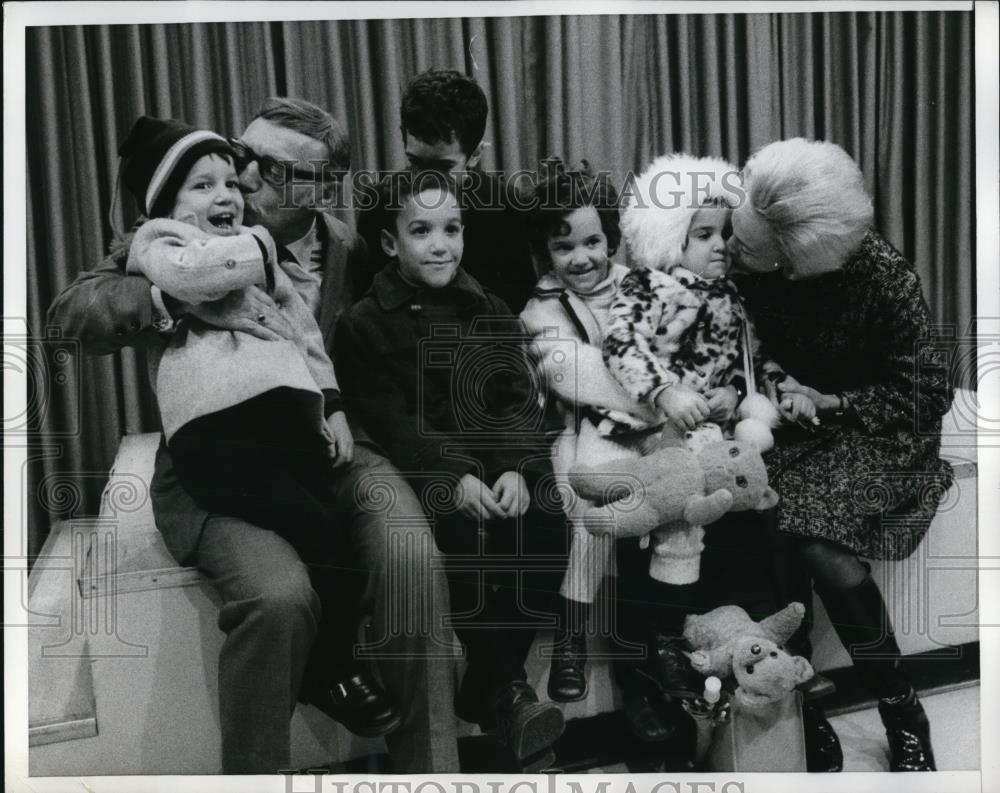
(675, 343)
(677, 329)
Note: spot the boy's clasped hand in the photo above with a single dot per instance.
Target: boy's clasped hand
(508, 498)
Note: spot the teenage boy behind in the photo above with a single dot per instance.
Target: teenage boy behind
(431, 364)
(442, 120)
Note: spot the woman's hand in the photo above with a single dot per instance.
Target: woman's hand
(722, 403)
(791, 390)
(342, 446)
(475, 500)
(685, 407)
(511, 493)
(797, 406)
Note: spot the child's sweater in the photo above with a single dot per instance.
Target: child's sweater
(201, 369)
(669, 328)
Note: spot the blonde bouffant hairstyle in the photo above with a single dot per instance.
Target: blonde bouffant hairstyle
(812, 196)
(662, 201)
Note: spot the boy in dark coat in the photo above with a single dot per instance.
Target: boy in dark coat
(433, 366)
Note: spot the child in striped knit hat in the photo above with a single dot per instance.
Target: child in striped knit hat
(248, 420)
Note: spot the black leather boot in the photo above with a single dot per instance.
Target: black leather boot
(862, 622)
(567, 672)
(823, 751)
(909, 733)
(528, 727)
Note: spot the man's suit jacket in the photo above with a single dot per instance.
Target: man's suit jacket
(106, 309)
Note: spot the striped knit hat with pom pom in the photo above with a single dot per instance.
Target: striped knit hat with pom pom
(156, 157)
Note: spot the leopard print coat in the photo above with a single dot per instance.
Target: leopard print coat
(669, 328)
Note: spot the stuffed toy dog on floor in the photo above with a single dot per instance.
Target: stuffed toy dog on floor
(726, 642)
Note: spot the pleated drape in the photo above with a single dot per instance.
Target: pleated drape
(893, 88)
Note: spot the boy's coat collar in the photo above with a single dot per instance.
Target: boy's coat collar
(391, 291)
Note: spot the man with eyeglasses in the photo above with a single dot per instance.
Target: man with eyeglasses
(289, 163)
(291, 159)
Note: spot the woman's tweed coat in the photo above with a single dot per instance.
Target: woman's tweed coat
(871, 481)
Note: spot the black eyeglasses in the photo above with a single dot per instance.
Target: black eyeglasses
(278, 172)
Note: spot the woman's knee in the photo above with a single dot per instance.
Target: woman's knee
(831, 565)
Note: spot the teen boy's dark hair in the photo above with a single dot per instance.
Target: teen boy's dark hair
(558, 192)
(444, 105)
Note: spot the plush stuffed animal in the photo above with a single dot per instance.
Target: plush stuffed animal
(726, 642)
(671, 494)
(765, 672)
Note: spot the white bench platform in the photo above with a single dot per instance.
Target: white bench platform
(123, 648)
(126, 682)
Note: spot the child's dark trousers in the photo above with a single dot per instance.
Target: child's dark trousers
(262, 461)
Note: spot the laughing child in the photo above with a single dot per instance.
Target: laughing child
(255, 426)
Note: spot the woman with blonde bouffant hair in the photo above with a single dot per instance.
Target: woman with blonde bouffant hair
(838, 305)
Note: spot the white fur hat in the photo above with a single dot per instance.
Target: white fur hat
(662, 201)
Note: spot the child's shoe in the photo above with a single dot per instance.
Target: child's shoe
(528, 727)
(669, 669)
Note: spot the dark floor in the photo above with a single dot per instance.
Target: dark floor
(947, 680)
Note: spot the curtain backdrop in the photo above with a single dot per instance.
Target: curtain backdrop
(895, 89)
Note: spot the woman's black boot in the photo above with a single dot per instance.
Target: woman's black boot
(908, 731)
(862, 622)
